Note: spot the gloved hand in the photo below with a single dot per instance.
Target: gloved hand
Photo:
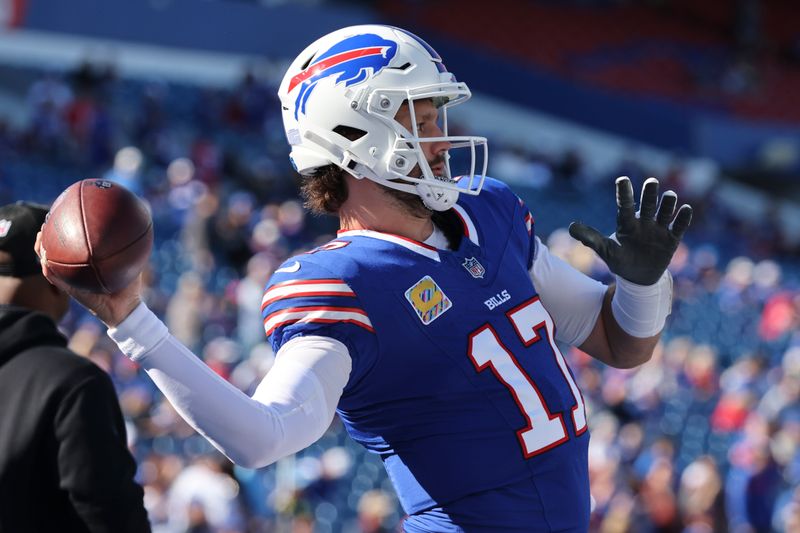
(644, 242)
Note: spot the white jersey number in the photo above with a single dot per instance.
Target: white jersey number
(532, 324)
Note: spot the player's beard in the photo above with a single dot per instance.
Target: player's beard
(410, 202)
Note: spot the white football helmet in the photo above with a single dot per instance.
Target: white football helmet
(359, 77)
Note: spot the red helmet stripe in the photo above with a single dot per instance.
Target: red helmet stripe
(333, 61)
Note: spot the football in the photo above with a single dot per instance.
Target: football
(97, 236)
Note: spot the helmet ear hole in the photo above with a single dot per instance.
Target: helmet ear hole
(402, 67)
(348, 132)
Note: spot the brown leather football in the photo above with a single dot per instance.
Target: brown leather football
(97, 236)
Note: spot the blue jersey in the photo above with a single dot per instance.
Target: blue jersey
(456, 379)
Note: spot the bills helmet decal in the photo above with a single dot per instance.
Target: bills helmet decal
(353, 59)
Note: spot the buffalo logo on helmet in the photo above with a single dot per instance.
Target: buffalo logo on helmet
(354, 60)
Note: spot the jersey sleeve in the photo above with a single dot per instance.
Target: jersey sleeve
(291, 408)
(572, 298)
(525, 221)
(303, 298)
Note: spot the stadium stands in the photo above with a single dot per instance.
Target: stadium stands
(708, 55)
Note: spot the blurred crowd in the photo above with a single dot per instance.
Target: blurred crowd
(704, 438)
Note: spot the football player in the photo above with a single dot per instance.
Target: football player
(430, 324)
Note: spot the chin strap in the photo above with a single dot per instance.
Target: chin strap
(435, 198)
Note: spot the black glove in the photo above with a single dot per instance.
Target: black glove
(645, 241)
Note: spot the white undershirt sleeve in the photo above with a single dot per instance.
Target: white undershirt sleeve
(573, 299)
(291, 408)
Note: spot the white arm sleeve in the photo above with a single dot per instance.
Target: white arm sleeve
(291, 408)
(572, 298)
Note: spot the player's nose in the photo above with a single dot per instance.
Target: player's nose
(439, 146)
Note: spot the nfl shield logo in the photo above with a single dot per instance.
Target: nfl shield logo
(475, 269)
(103, 184)
(5, 225)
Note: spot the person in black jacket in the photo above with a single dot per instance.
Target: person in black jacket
(64, 461)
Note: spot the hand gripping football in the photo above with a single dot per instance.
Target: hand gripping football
(97, 236)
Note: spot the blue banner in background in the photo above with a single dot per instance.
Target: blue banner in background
(232, 27)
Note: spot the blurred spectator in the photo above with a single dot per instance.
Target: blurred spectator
(188, 309)
(332, 466)
(658, 503)
(48, 99)
(701, 498)
(204, 498)
(207, 159)
(230, 230)
(249, 324)
(249, 104)
(127, 169)
(781, 315)
(374, 507)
